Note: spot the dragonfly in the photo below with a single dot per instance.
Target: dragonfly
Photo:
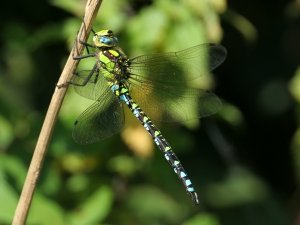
(159, 83)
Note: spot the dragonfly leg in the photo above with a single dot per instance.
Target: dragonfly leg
(84, 56)
(87, 46)
(87, 79)
(84, 81)
(77, 40)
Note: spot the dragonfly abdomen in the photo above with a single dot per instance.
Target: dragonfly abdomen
(122, 92)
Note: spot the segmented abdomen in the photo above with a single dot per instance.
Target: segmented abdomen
(122, 92)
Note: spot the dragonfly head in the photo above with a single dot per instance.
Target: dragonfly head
(105, 38)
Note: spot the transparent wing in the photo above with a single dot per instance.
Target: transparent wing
(161, 83)
(173, 104)
(90, 84)
(172, 67)
(101, 120)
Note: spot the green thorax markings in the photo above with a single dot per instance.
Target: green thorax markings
(113, 64)
(112, 59)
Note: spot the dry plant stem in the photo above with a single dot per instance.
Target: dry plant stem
(51, 116)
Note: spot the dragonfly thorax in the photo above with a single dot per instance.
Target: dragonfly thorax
(114, 65)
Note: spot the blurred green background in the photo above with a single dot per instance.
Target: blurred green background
(244, 161)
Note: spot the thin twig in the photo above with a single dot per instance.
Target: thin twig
(51, 116)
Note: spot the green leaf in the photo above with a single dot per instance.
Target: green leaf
(95, 209)
(44, 211)
(202, 219)
(151, 204)
(8, 200)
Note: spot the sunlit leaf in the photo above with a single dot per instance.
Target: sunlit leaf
(45, 212)
(9, 197)
(203, 219)
(95, 209)
(151, 204)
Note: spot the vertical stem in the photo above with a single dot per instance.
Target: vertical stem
(36, 164)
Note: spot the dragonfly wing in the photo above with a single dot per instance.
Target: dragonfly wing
(90, 84)
(176, 104)
(160, 83)
(176, 67)
(216, 55)
(190, 105)
(101, 120)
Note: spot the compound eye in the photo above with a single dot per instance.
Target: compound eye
(105, 40)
